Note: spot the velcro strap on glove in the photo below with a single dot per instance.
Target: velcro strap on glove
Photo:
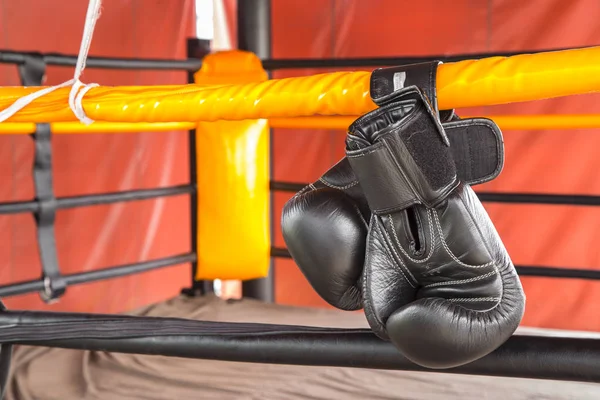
(476, 143)
(401, 155)
(477, 148)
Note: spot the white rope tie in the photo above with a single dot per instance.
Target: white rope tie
(78, 88)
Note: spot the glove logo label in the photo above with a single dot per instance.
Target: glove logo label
(399, 80)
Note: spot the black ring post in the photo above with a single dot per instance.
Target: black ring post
(196, 48)
(254, 34)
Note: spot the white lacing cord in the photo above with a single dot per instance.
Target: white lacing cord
(78, 88)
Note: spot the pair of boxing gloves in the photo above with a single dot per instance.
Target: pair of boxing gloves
(395, 229)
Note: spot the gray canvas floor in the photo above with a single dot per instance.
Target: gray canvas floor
(48, 374)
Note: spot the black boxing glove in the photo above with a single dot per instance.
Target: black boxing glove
(437, 280)
(325, 224)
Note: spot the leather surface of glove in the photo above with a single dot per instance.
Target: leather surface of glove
(325, 224)
(437, 280)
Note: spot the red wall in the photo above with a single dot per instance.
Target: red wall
(100, 236)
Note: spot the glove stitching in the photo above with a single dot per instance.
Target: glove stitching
(368, 305)
(476, 299)
(441, 232)
(458, 282)
(402, 249)
(502, 292)
(365, 153)
(305, 189)
(398, 261)
(357, 210)
(348, 186)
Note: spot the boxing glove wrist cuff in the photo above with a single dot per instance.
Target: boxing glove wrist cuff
(386, 81)
(401, 155)
(476, 143)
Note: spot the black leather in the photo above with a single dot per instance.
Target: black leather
(437, 280)
(385, 82)
(405, 168)
(325, 224)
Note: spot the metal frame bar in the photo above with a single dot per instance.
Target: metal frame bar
(363, 62)
(64, 60)
(539, 198)
(15, 289)
(193, 64)
(254, 34)
(98, 199)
